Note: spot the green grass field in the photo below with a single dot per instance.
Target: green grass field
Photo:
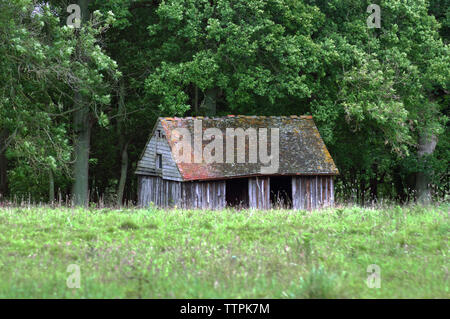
(226, 254)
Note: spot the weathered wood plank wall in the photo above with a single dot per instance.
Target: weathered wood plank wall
(308, 192)
(312, 192)
(160, 192)
(148, 166)
(166, 193)
(204, 195)
(259, 192)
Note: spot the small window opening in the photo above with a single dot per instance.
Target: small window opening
(159, 161)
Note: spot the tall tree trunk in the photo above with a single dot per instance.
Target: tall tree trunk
(51, 187)
(4, 134)
(209, 103)
(427, 144)
(374, 183)
(123, 145)
(123, 174)
(82, 127)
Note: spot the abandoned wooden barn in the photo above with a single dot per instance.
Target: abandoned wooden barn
(245, 161)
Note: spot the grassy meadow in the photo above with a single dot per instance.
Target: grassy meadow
(138, 253)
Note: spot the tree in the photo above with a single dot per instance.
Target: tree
(379, 82)
(242, 56)
(29, 135)
(91, 61)
(135, 111)
(378, 96)
(39, 78)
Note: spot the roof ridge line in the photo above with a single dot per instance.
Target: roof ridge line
(175, 118)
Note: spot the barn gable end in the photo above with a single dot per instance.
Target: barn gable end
(158, 145)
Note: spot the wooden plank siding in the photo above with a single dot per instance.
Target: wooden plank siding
(312, 192)
(203, 195)
(259, 192)
(160, 192)
(308, 192)
(167, 193)
(147, 164)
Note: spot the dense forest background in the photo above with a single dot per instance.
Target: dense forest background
(77, 104)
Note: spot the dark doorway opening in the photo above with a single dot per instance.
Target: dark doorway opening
(281, 191)
(237, 192)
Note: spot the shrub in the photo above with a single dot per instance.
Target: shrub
(129, 225)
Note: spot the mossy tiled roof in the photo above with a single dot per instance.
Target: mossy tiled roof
(301, 149)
